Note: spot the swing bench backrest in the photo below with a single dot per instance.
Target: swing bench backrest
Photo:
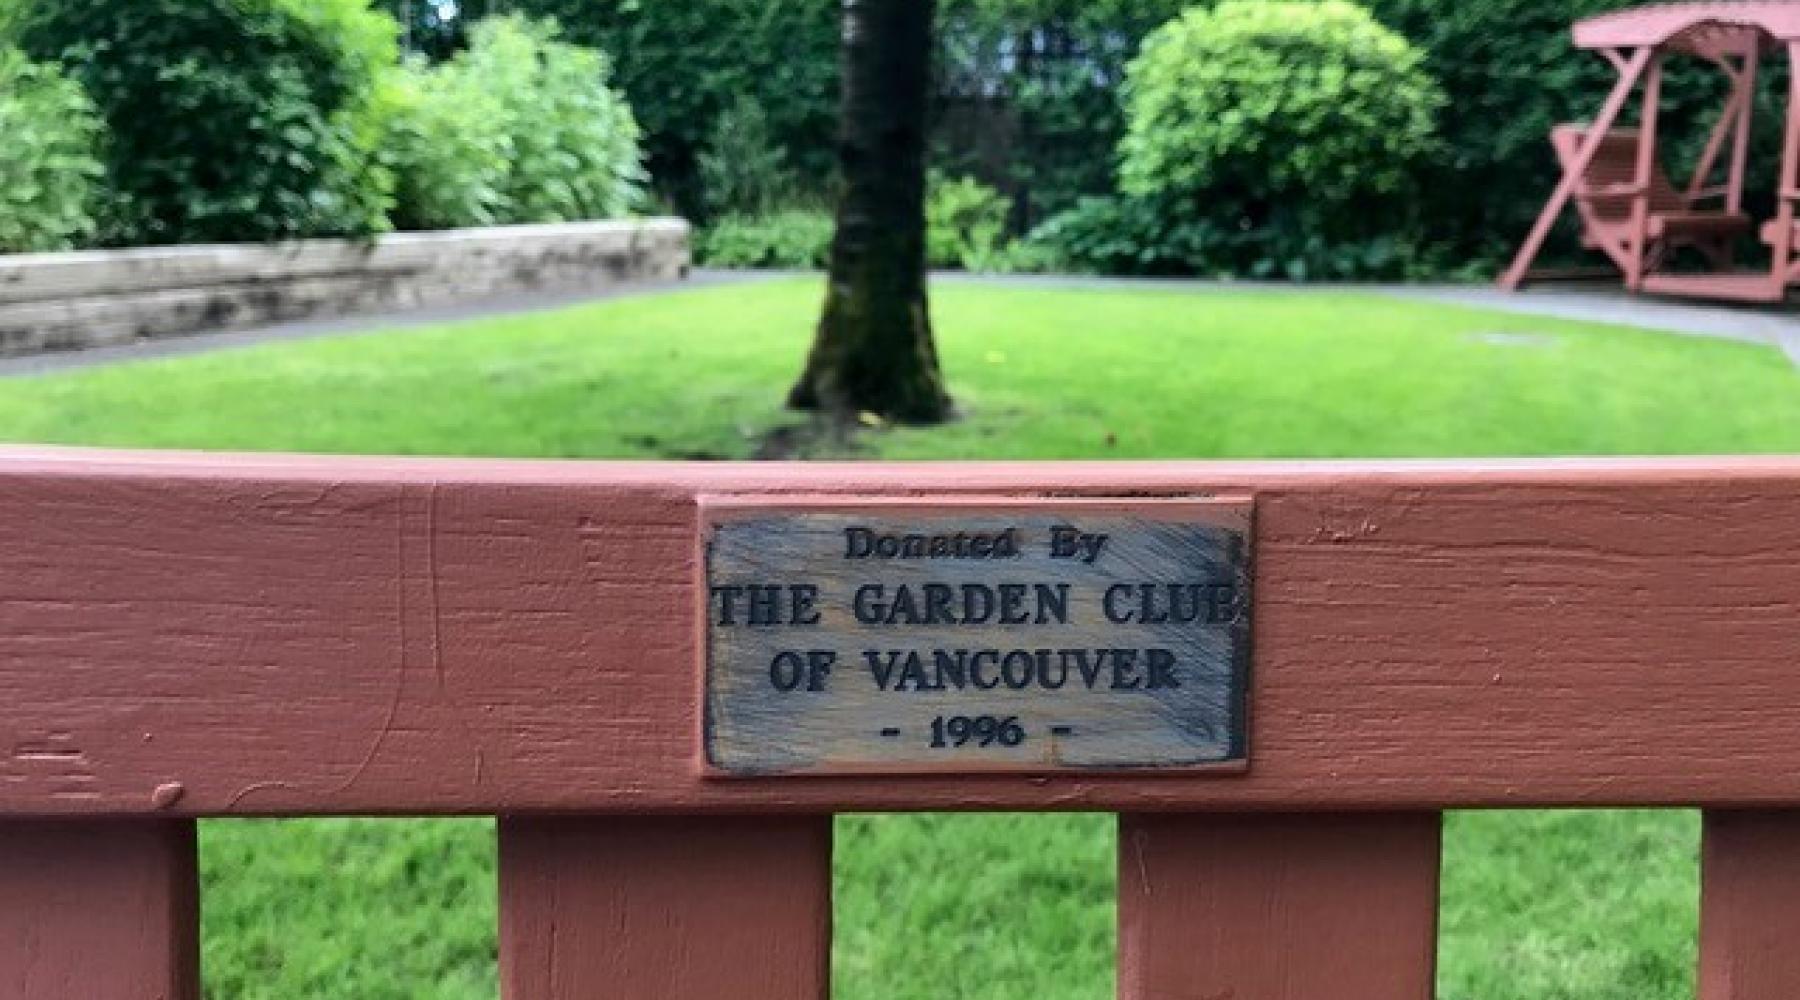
(1609, 184)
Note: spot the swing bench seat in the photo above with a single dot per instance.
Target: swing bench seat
(1607, 194)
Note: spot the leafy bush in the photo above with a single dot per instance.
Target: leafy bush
(518, 128)
(1125, 235)
(444, 143)
(1109, 235)
(226, 119)
(965, 221)
(1018, 257)
(1268, 100)
(49, 159)
(792, 238)
(965, 227)
(572, 140)
(1277, 136)
(683, 63)
(744, 170)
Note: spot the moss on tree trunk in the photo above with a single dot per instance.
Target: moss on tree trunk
(873, 351)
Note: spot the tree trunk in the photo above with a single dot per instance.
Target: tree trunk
(873, 352)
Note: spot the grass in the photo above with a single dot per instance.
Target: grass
(1038, 374)
(1539, 905)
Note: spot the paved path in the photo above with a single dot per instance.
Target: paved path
(1777, 328)
(1762, 325)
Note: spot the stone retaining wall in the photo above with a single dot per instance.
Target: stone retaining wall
(64, 301)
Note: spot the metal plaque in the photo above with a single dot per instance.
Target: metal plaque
(961, 635)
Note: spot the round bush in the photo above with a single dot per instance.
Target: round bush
(227, 119)
(48, 159)
(1254, 104)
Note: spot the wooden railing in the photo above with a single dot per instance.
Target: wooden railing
(187, 636)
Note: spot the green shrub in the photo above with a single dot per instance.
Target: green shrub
(1018, 257)
(1137, 236)
(226, 119)
(744, 170)
(1109, 235)
(965, 221)
(790, 238)
(1278, 136)
(1268, 100)
(572, 141)
(49, 166)
(518, 128)
(965, 226)
(443, 140)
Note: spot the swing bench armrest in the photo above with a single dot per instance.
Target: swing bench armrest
(1707, 194)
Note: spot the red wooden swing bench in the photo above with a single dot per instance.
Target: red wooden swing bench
(1628, 208)
(1607, 199)
(187, 636)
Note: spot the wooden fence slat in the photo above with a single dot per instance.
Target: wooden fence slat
(1750, 906)
(1278, 907)
(99, 911)
(665, 908)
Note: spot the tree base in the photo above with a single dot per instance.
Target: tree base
(876, 358)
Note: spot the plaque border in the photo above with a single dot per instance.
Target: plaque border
(1234, 510)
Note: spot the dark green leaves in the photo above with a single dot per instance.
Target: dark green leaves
(227, 120)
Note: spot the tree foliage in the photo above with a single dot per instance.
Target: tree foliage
(1042, 73)
(743, 170)
(1028, 93)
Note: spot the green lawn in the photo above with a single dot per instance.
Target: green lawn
(1546, 906)
(1038, 373)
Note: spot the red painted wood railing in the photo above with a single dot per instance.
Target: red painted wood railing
(188, 636)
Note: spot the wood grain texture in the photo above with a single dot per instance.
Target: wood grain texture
(1278, 907)
(1084, 634)
(1750, 906)
(281, 635)
(665, 908)
(99, 911)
